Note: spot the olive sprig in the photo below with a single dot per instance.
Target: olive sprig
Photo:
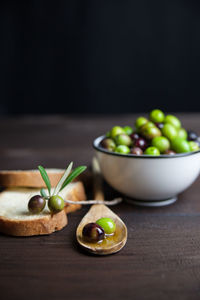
(55, 202)
(63, 182)
(63, 178)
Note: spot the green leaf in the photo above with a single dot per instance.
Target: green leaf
(45, 177)
(65, 175)
(43, 193)
(72, 176)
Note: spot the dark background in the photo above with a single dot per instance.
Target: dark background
(99, 56)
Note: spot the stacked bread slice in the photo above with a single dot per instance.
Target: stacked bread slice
(19, 187)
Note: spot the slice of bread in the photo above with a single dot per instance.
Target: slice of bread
(16, 220)
(44, 224)
(28, 178)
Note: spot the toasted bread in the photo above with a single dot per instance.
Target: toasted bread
(28, 178)
(16, 220)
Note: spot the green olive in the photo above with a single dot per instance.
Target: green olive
(193, 146)
(122, 149)
(108, 134)
(152, 151)
(161, 143)
(170, 119)
(107, 224)
(157, 116)
(180, 145)
(36, 204)
(116, 130)
(169, 131)
(182, 133)
(56, 203)
(108, 144)
(128, 130)
(123, 139)
(140, 122)
(149, 131)
(146, 126)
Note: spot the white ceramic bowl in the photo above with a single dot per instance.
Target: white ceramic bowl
(149, 180)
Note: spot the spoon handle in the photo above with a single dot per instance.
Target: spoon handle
(98, 182)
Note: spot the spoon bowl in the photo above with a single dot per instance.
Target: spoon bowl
(111, 244)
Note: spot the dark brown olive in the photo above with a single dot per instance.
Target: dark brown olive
(92, 232)
(169, 152)
(36, 204)
(136, 151)
(108, 144)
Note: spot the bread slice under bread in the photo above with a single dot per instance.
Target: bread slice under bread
(16, 220)
(28, 178)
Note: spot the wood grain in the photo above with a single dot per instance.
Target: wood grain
(161, 259)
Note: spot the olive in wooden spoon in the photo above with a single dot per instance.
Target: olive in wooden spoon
(110, 244)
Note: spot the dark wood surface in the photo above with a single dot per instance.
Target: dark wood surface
(161, 259)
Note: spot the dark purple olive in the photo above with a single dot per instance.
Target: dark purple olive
(192, 136)
(134, 136)
(93, 233)
(159, 125)
(136, 151)
(169, 152)
(108, 144)
(36, 204)
(141, 143)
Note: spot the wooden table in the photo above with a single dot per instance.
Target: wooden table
(161, 259)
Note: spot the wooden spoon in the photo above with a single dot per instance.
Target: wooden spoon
(111, 244)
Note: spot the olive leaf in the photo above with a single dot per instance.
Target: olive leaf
(65, 175)
(72, 176)
(43, 193)
(45, 178)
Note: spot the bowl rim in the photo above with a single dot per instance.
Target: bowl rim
(97, 141)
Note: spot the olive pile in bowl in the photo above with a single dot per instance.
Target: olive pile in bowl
(159, 134)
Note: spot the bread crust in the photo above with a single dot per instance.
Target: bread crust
(29, 178)
(45, 225)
